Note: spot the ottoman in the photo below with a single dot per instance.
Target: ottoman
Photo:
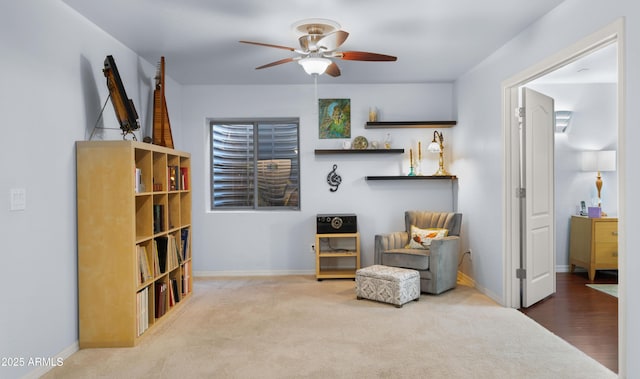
(391, 285)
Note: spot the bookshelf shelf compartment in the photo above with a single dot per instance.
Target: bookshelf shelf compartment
(125, 205)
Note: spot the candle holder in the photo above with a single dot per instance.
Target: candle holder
(387, 141)
(411, 172)
(419, 161)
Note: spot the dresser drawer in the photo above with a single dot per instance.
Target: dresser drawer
(606, 253)
(606, 232)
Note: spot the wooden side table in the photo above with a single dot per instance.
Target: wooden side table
(344, 261)
(593, 244)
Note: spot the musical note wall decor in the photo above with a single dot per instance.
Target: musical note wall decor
(333, 179)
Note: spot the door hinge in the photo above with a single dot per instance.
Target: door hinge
(521, 273)
(520, 112)
(521, 192)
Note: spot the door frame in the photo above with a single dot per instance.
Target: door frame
(613, 33)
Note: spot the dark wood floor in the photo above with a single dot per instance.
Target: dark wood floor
(582, 316)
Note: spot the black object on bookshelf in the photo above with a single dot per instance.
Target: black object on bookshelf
(184, 236)
(162, 245)
(158, 218)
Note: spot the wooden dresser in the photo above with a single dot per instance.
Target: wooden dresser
(593, 244)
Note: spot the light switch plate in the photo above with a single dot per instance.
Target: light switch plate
(18, 199)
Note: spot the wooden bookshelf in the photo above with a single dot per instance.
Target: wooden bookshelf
(129, 203)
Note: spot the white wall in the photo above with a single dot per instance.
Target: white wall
(479, 140)
(593, 127)
(52, 89)
(279, 242)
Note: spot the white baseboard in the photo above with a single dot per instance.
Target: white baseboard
(465, 279)
(567, 268)
(204, 274)
(64, 354)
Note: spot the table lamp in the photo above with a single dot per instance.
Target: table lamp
(437, 146)
(603, 160)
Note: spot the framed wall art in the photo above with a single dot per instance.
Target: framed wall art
(334, 118)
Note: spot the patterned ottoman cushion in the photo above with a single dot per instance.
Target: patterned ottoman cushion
(391, 285)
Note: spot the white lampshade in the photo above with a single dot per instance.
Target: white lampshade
(604, 160)
(314, 65)
(433, 147)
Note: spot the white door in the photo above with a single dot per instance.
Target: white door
(537, 216)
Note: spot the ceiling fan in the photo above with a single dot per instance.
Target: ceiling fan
(319, 40)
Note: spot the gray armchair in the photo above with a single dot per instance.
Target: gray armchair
(438, 264)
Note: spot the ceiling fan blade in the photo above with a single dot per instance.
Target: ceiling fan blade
(333, 40)
(333, 70)
(269, 45)
(281, 61)
(364, 56)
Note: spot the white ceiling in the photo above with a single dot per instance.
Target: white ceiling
(434, 40)
(599, 66)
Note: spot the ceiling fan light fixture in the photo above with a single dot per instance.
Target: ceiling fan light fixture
(314, 65)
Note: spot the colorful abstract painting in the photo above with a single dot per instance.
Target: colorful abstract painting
(334, 118)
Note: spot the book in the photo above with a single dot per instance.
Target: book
(143, 264)
(185, 279)
(161, 246)
(142, 315)
(161, 298)
(172, 299)
(184, 239)
(184, 178)
(156, 261)
(145, 309)
(158, 218)
(138, 313)
(138, 181)
(177, 251)
(171, 253)
(174, 288)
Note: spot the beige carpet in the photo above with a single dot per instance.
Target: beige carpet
(297, 327)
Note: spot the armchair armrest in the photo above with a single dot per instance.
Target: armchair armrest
(395, 240)
(443, 263)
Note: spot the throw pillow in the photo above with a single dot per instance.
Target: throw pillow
(421, 238)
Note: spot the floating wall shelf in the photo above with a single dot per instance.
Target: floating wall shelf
(408, 124)
(356, 151)
(417, 177)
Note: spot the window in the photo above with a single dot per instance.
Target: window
(255, 165)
